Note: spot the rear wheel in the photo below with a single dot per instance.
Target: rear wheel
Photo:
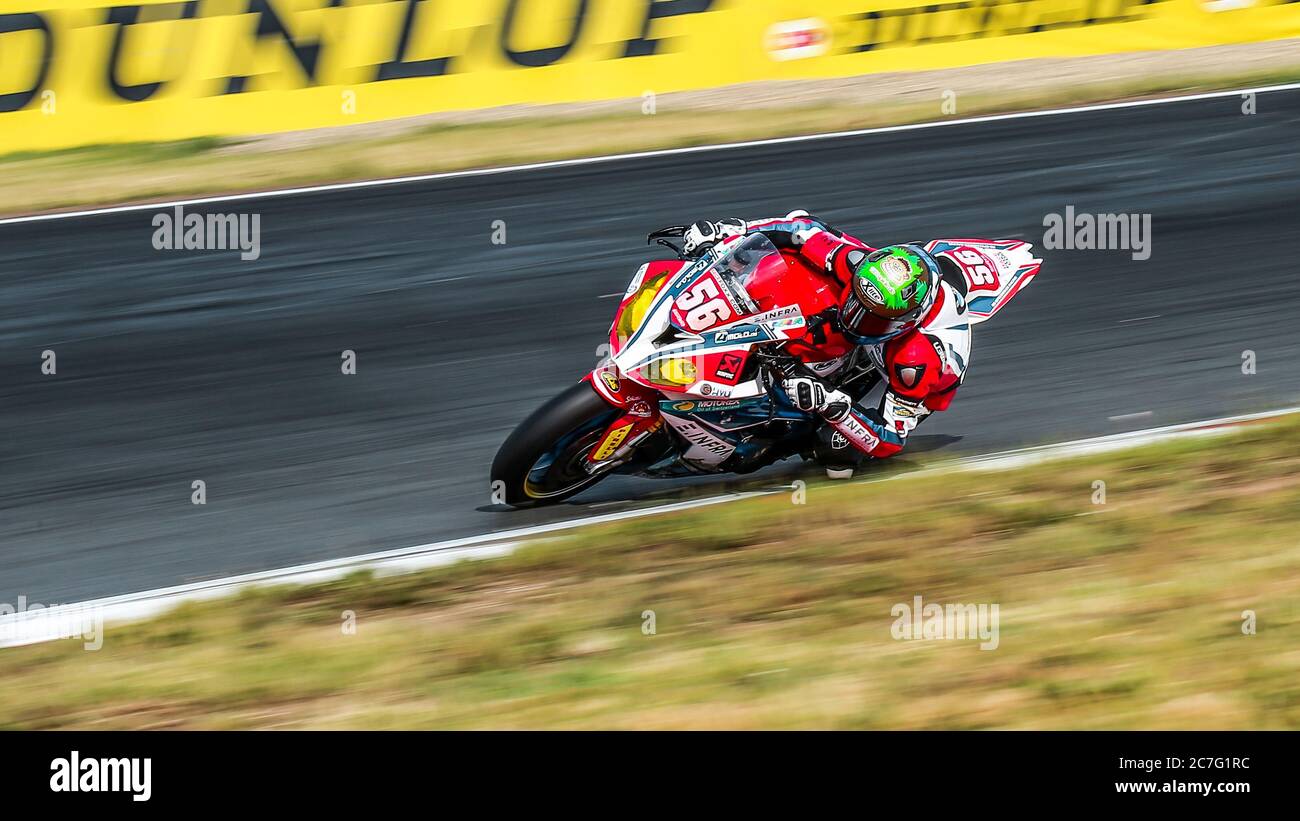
(543, 461)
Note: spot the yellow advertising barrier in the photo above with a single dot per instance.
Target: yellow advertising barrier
(74, 72)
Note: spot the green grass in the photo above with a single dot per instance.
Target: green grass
(771, 615)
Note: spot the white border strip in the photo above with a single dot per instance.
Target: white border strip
(30, 628)
(1117, 441)
(637, 155)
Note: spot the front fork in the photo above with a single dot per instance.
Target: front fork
(640, 417)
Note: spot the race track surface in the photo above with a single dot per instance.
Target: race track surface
(176, 366)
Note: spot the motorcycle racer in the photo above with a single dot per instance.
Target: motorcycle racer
(786, 337)
(892, 304)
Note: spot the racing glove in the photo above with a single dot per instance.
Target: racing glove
(703, 234)
(866, 431)
(813, 396)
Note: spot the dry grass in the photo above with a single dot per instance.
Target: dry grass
(771, 615)
(141, 172)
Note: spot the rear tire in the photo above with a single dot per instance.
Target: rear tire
(540, 463)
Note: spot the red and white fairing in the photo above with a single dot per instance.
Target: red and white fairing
(995, 271)
(703, 314)
(686, 330)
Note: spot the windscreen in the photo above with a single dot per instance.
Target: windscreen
(740, 262)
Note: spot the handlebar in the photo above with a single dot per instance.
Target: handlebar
(776, 366)
(662, 236)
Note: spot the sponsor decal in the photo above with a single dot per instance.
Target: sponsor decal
(706, 389)
(704, 441)
(729, 366)
(736, 336)
(172, 70)
(739, 306)
(792, 322)
(940, 349)
(1213, 6)
(873, 30)
(797, 39)
(704, 405)
(903, 416)
(903, 411)
(167, 71)
(611, 381)
(611, 443)
(859, 432)
(838, 442)
(639, 407)
(717, 404)
(776, 313)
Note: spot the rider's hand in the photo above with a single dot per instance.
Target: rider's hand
(704, 233)
(813, 396)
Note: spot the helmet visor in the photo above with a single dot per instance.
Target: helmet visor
(859, 323)
(890, 293)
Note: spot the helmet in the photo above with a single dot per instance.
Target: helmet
(891, 291)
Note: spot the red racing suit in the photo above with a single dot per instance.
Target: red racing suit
(923, 367)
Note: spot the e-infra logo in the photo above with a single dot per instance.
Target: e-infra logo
(77, 774)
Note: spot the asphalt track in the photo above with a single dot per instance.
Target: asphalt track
(176, 366)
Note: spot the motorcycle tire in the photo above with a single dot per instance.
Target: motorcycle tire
(540, 463)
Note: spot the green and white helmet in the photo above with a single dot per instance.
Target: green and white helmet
(891, 292)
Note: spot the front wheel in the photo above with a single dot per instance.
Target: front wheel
(542, 461)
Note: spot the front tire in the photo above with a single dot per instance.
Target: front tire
(541, 462)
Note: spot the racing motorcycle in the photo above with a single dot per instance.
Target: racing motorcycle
(692, 382)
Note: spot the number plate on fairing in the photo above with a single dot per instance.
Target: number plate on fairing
(707, 302)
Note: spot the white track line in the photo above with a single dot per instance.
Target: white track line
(636, 155)
(32, 627)
(1117, 441)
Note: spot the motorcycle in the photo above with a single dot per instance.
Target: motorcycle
(692, 382)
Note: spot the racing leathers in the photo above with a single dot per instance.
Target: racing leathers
(922, 367)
